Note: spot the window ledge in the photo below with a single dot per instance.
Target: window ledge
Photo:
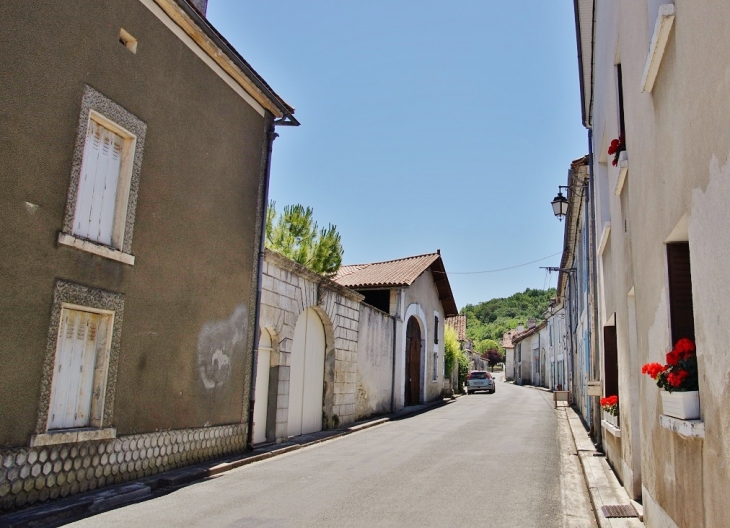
(97, 249)
(615, 431)
(70, 436)
(623, 170)
(685, 428)
(662, 27)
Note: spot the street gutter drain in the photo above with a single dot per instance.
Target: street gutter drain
(619, 511)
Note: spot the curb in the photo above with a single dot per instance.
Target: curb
(603, 485)
(62, 511)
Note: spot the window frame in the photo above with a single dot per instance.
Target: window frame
(68, 295)
(105, 112)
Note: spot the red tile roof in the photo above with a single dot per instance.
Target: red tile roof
(399, 273)
(458, 323)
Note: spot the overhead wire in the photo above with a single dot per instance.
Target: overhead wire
(502, 269)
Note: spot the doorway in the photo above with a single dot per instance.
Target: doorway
(261, 390)
(413, 362)
(306, 380)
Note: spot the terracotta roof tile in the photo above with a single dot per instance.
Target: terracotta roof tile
(458, 323)
(401, 272)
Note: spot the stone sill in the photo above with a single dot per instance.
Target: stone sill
(97, 249)
(659, 39)
(71, 436)
(685, 428)
(615, 431)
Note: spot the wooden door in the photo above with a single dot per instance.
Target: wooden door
(413, 362)
(306, 375)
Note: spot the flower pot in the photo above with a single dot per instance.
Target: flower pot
(610, 418)
(682, 405)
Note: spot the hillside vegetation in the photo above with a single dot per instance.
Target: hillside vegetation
(491, 319)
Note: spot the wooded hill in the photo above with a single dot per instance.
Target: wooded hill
(491, 319)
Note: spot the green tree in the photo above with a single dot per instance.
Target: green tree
(296, 235)
(452, 349)
(486, 345)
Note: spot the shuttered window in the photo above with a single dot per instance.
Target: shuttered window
(435, 366)
(680, 291)
(436, 329)
(98, 185)
(80, 369)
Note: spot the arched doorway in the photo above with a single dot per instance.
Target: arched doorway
(306, 375)
(261, 391)
(413, 362)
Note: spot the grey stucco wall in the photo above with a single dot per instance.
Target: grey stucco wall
(374, 362)
(189, 292)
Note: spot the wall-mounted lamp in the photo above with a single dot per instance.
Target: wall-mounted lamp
(560, 203)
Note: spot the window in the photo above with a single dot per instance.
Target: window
(101, 200)
(610, 360)
(681, 310)
(620, 89)
(436, 329)
(80, 370)
(102, 194)
(435, 366)
(78, 385)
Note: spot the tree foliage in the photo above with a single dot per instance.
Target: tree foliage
(485, 345)
(494, 356)
(452, 349)
(491, 319)
(296, 235)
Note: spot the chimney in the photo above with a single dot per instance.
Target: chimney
(200, 5)
(531, 323)
(520, 329)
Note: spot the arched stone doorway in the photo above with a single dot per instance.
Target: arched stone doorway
(261, 391)
(413, 362)
(306, 379)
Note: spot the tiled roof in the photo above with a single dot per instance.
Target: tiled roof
(458, 323)
(516, 338)
(399, 273)
(507, 339)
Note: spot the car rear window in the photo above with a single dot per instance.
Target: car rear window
(479, 375)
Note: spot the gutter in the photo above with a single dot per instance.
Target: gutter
(287, 112)
(594, 279)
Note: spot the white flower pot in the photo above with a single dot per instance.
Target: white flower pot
(682, 405)
(610, 418)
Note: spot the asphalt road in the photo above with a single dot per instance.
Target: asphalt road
(491, 460)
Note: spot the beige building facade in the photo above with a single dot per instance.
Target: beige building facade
(657, 76)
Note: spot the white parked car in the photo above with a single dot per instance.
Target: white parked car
(479, 380)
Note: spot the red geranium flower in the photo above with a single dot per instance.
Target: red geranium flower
(652, 369)
(675, 379)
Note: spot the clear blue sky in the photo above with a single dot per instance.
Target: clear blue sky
(425, 125)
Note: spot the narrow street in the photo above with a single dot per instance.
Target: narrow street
(489, 460)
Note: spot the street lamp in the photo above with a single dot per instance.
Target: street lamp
(560, 204)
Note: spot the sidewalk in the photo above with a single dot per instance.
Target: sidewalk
(603, 486)
(62, 511)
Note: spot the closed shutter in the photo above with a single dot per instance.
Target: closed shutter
(82, 336)
(680, 292)
(97, 194)
(610, 360)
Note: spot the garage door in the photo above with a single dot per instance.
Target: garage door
(306, 376)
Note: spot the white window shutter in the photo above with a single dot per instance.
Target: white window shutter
(83, 335)
(96, 201)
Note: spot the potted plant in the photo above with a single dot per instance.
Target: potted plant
(609, 405)
(678, 381)
(615, 149)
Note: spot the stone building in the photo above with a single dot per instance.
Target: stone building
(415, 292)
(654, 75)
(135, 150)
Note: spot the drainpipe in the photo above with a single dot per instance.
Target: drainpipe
(592, 285)
(395, 349)
(271, 135)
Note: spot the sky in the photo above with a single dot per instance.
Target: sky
(424, 125)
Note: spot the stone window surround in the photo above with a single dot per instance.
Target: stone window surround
(66, 293)
(107, 110)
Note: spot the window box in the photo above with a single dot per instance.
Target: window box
(682, 405)
(611, 419)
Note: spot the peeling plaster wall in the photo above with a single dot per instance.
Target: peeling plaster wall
(374, 362)
(677, 145)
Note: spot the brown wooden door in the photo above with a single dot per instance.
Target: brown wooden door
(413, 362)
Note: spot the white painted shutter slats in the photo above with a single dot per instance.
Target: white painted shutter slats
(81, 337)
(96, 200)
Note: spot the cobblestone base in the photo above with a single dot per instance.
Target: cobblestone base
(35, 474)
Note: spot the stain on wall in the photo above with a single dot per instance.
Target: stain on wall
(218, 342)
